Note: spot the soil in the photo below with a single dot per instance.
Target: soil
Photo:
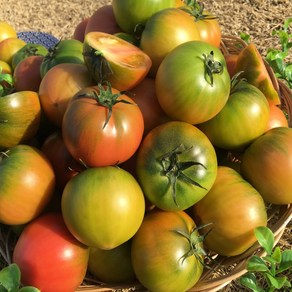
(257, 18)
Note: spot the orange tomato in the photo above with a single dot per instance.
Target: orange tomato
(8, 47)
(6, 31)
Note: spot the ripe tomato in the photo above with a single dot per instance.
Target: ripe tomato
(110, 58)
(102, 126)
(8, 47)
(79, 31)
(7, 31)
(234, 126)
(267, 165)
(27, 74)
(103, 207)
(176, 165)
(27, 184)
(130, 13)
(112, 266)
(102, 20)
(166, 252)
(49, 257)
(58, 87)
(234, 208)
(145, 97)
(164, 31)
(20, 114)
(231, 60)
(192, 82)
(277, 117)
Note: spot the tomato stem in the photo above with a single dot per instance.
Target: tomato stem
(211, 67)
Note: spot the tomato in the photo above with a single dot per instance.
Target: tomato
(27, 74)
(166, 252)
(103, 207)
(58, 87)
(65, 167)
(27, 184)
(79, 31)
(103, 20)
(164, 31)
(145, 97)
(255, 72)
(231, 60)
(192, 82)
(112, 266)
(10, 46)
(277, 117)
(110, 58)
(20, 114)
(267, 165)
(176, 165)
(6, 79)
(5, 67)
(65, 51)
(28, 50)
(7, 31)
(234, 208)
(102, 126)
(49, 257)
(130, 13)
(246, 107)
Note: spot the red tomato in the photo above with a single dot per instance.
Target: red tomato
(102, 126)
(27, 74)
(79, 31)
(277, 117)
(231, 60)
(145, 97)
(58, 86)
(49, 257)
(27, 184)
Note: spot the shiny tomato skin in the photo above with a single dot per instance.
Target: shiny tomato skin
(277, 117)
(184, 90)
(234, 208)
(172, 159)
(112, 206)
(79, 31)
(267, 165)
(59, 86)
(246, 107)
(49, 257)
(92, 140)
(7, 31)
(158, 251)
(164, 31)
(9, 47)
(27, 184)
(130, 13)
(20, 116)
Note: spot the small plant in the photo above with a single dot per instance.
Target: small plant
(10, 280)
(269, 267)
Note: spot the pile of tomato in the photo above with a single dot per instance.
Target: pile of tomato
(135, 149)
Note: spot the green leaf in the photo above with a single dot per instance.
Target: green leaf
(29, 289)
(276, 256)
(245, 37)
(277, 282)
(286, 262)
(265, 238)
(10, 277)
(256, 264)
(249, 280)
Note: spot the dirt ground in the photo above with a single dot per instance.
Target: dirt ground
(256, 18)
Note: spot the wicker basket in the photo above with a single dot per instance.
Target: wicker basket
(226, 269)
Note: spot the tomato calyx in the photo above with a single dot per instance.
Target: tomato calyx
(211, 67)
(174, 169)
(104, 97)
(6, 83)
(196, 9)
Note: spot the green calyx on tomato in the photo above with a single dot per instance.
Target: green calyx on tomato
(196, 9)
(105, 97)
(212, 67)
(6, 83)
(173, 168)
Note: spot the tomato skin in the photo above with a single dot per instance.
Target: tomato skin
(130, 13)
(9, 47)
(7, 31)
(157, 168)
(27, 74)
(20, 114)
(233, 215)
(231, 60)
(87, 137)
(49, 257)
(65, 51)
(112, 206)
(79, 31)
(27, 184)
(267, 165)
(59, 86)
(158, 250)
(246, 107)
(164, 31)
(277, 118)
(184, 90)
